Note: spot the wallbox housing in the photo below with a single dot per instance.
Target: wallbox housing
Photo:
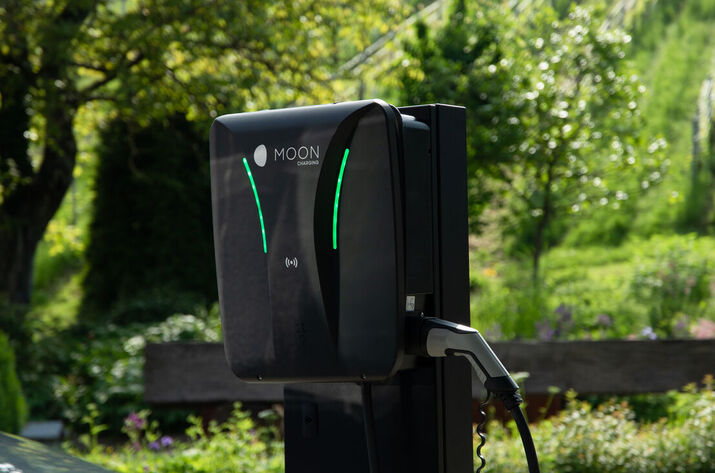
(309, 229)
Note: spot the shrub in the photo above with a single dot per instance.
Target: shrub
(150, 251)
(12, 404)
(660, 287)
(103, 367)
(586, 439)
(676, 284)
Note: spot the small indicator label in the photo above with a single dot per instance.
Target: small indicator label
(291, 262)
(410, 304)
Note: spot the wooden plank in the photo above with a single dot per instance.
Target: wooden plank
(609, 367)
(191, 373)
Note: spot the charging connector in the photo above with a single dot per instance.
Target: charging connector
(429, 336)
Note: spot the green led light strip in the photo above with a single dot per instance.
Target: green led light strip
(337, 199)
(258, 204)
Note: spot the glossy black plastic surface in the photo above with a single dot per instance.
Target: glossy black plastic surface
(314, 305)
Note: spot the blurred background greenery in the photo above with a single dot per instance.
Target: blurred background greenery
(591, 157)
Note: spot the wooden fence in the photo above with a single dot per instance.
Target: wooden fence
(197, 373)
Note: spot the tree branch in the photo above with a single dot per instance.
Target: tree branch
(110, 76)
(89, 66)
(508, 181)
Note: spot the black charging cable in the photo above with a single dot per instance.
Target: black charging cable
(368, 415)
(429, 336)
(529, 449)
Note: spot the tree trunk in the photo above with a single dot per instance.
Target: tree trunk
(542, 225)
(539, 245)
(25, 213)
(16, 264)
(29, 202)
(15, 170)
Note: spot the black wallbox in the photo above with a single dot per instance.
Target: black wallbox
(309, 228)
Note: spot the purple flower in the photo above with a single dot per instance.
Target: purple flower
(133, 420)
(648, 333)
(166, 441)
(494, 333)
(154, 445)
(604, 320)
(564, 311)
(544, 330)
(681, 327)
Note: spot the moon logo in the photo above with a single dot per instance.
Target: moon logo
(260, 155)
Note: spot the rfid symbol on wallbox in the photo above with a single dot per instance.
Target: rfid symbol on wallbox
(291, 262)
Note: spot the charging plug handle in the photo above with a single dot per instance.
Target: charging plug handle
(438, 338)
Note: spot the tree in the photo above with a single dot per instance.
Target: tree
(552, 106)
(146, 59)
(150, 250)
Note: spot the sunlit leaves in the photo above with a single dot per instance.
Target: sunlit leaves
(552, 106)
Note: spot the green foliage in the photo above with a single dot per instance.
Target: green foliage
(602, 228)
(76, 368)
(648, 408)
(675, 284)
(147, 60)
(553, 112)
(587, 439)
(55, 306)
(505, 304)
(573, 300)
(12, 403)
(151, 245)
(673, 49)
(90, 440)
(642, 289)
(238, 444)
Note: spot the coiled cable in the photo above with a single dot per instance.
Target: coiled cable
(480, 430)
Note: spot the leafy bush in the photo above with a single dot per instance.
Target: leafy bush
(12, 404)
(581, 296)
(586, 439)
(600, 292)
(509, 307)
(150, 252)
(676, 284)
(237, 445)
(103, 367)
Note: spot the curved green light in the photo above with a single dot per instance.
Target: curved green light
(337, 199)
(258, 204)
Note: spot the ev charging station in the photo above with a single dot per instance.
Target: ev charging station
(341, 251)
